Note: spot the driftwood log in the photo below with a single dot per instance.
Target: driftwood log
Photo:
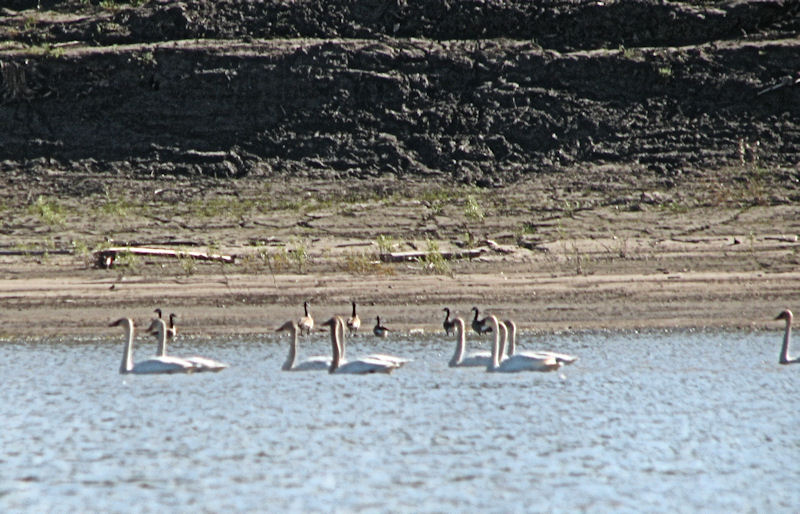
(105, 258)
(469, 253)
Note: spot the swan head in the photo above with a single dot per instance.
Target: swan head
(157, 311)
(786, 314)
(121, 322)
(459, 324)
(331, 322)
(289, 325)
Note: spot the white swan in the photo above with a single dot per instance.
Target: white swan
(787, 336)
(361, 366)
(149, 366)
(379, 356)
(562, 358)
(458, 360)
(159, 328)
(317, 362)
(306, 323)
(515, 363)
(353, 322)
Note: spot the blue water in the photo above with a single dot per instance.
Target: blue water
(655, 422)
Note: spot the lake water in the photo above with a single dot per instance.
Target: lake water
(654, 422)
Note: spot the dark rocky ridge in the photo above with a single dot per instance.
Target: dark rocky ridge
(479, 91)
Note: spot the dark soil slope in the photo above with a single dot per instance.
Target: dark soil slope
(480, 91)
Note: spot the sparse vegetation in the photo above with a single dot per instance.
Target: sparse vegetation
(50, 211)
(473, 210)
(361, 262)
(385, 244)
(299, 255)
(434, 262)
(127, 260)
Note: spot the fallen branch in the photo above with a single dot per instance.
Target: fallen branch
(785, 82)
(105, 258)
(416, 255)
(470, 253)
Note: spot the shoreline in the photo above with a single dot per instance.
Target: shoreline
(241, 304)
(667, 261)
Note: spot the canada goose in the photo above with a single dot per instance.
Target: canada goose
(306, 323)
(171, 330)
(448, 324)
(379, 330)
(481, 326)
(353, 322)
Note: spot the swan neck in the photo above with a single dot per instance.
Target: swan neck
(334, 348)
(496, 345)
(503, 340)
(340, 336)
(162, 340)
(512, 338)
(127, 354)
(292, 356)
(787, 336)
(461, 342)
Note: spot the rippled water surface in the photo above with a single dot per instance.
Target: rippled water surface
(680, 421)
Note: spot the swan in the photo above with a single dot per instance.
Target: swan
(379, 330)
(458, 360)
(171, 330)
(375, 356)
(150, 366)
(562, 358)
(448, 324)
(481, 326)
(159, 328)
(517, 362)
(784, 357)
(353, 322)
(359, 366)
(306, 323)
(316, 362)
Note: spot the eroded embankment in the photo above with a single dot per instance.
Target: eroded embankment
(482, 92)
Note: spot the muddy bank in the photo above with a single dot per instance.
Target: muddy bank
(482, 92)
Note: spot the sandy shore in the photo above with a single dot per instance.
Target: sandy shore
(655, 261)
(84, 301)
